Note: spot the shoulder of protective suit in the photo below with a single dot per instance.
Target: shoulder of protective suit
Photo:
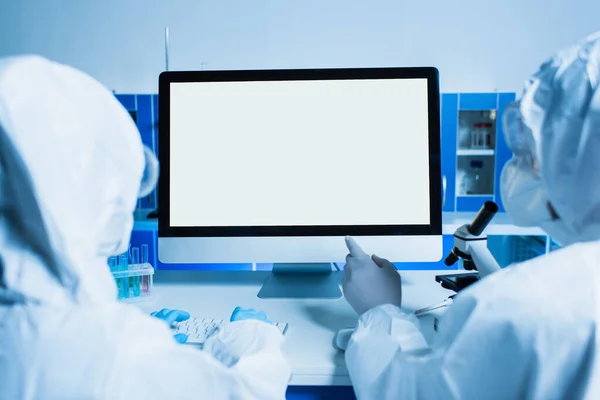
(531, 326)
(558, 290)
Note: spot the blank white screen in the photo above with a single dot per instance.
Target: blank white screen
(341, 152)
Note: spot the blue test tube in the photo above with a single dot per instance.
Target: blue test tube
(144, 254)
(135, 255)
(123, 266)
(137, 280)
(113, 264)
(144, 260)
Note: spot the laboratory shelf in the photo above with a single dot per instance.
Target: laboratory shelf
(500, 225)
(475, 152)
(451, 221)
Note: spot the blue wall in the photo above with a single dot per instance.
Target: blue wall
(478, 46)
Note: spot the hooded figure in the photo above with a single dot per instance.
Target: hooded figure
(72, 166)
(529, 331)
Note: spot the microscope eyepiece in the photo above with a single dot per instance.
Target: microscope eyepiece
(483, 218)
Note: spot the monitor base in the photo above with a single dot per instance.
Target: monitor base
(301, 281)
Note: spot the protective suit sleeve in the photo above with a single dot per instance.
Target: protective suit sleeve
(242, 362)
(384, 334)
(476, 354)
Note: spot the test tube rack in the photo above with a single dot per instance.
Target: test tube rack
(133, 277)
(134, 282)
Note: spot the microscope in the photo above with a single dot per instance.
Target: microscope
(470, 245)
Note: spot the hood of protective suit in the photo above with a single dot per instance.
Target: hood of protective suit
(72, 166)
(557, 186)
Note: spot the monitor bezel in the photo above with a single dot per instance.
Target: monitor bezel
(431, 74)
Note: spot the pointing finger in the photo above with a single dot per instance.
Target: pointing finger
(354, 248)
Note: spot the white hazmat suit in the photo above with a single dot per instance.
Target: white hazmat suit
(529, 331)
(71, 167)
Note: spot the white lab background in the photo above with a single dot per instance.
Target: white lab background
(478, 46)
(271, 165)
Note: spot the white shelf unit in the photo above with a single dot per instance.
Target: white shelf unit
(475, 152)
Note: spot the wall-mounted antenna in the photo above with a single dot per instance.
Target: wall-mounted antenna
(166, 48)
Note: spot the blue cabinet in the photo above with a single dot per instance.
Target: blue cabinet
(449, 125)
(473, 148)
(144, 110)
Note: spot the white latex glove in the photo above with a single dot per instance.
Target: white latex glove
(369, 281)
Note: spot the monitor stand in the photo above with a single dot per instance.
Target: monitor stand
(301, 281)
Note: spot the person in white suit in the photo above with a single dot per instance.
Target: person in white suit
(531, 330)
(72, 166)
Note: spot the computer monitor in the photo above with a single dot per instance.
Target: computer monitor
(278, 166)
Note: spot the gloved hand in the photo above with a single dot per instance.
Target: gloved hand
(234, 341)
(172, 316)
(240, 314)
(369, 281)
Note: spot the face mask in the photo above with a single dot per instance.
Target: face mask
(115, 234)
(116, 225)
(523, 194)
(526, 202)
(559, 232)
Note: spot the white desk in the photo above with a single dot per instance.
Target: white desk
(312, 323)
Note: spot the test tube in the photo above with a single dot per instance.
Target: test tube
(135, 255)
(112, 263)
(123, 266)
(144, 254)
(114, 266)
(145, 261)
(137, 281)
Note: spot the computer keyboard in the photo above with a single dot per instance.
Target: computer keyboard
(200, 329)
